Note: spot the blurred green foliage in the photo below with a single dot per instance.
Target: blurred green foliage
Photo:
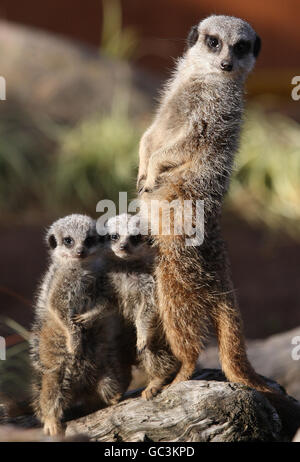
(98, 158)
(116, 41)
(79, 166)
(265, 187)
(23, 164)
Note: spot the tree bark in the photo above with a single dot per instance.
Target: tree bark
(193, 411)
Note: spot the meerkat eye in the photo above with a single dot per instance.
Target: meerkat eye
(90, 241)
(114, 237)
(135, 240)
(213, 42)
(242, 48)
(68, 241)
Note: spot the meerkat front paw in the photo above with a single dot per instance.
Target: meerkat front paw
(140, 345)
(146, 185)
(145, 189)
(80, 319)
(149, 186)
(154, 387)
(140, 349)
(115, 399)
(153, 182)
(140, 183)
(150, 392)
(52, 427)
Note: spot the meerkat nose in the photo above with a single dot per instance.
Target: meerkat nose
(80, 252)
(226, 66)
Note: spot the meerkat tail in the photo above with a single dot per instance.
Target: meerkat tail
(232, 348)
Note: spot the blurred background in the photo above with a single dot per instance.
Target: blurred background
(82, 84)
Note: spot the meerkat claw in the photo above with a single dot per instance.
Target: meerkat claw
(150, 392)
(140, 349)
(79, 319)
(52, 427)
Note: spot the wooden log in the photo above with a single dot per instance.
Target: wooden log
(193, 411)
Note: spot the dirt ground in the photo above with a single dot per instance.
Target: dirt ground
(266, 276)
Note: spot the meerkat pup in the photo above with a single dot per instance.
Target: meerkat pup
(76, 348)
(132, 260)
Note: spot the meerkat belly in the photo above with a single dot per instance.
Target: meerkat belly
(130, 288)
(79, 292)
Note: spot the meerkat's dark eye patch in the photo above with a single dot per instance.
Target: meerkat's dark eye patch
(137, 239)
(114, 237)
(68, 241)
(213, 43)
(193, 36)
(242, 48)
(52, 241)
(91, 241)
(257, 46)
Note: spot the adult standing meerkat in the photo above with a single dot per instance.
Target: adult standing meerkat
(187, 154)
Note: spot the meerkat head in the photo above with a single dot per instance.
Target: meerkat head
(73, 237)
(223, 45)
(124, 239)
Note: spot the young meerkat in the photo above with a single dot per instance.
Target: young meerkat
(187, 154)
(132, 260)
(76, 343)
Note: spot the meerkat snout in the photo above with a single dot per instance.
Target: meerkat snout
(225, 45)
(81, 252)
(226, 66)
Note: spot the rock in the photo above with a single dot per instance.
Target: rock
(65, 80)
(193, 411)
(271, 357)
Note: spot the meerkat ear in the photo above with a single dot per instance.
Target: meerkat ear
(102, 238)
(52, 241)
(193, 36)
(257, 46)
